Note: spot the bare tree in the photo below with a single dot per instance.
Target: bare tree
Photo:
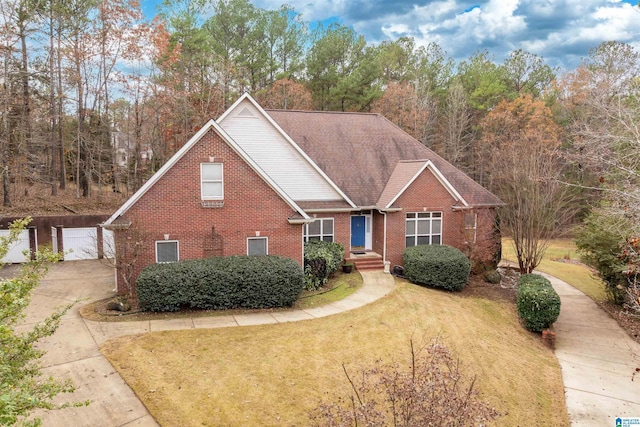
(123, 253)
(603, 103)
(525, 172)
(457, 118)
(431, 391)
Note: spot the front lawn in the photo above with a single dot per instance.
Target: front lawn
(272, 375)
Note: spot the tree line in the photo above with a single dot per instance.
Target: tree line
(77, 73)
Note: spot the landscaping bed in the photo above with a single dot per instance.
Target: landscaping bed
(338, 287)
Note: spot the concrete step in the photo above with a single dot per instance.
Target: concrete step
(367, 263)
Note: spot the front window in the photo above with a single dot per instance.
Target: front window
(320, 229)
(470, 226)
(167, 251)
(257, 246)
(423, 228)
(211, 181)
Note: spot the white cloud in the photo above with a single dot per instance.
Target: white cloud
(561, 31)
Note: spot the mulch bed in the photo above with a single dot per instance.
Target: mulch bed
(478, 287)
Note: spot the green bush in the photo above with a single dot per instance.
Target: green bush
(599, 240)
(534, 279)
(493, 277)
(538, 304)
(437, 265)
(220, 283)
(321, 260)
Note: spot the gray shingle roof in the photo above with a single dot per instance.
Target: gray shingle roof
(359, 152)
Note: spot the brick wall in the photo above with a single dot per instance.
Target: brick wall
(426, 194)
(173, 207)
(341, 228)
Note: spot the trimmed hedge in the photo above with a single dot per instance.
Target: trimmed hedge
(437, 265)
(537, 302)
(220, 283)
(321, 260)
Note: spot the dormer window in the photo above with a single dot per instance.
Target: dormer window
(211, 181)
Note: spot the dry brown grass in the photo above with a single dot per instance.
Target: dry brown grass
(272, 375)
(562, 260)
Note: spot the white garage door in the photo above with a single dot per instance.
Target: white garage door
(15, 254)
(80, 243)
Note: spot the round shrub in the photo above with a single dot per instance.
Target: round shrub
(538, 304)
(493, 277)
(220, 283)
(534, 279)
(437, 265)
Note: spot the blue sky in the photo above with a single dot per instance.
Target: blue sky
(561, 31)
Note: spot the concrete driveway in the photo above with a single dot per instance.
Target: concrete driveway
(73, 353)
(598, 360)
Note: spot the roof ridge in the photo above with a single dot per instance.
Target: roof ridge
(362, 113)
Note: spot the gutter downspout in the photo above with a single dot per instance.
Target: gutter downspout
(384, 237)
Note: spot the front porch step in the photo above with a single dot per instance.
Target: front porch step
(368, 262)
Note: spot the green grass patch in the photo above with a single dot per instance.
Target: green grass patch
(339, 286)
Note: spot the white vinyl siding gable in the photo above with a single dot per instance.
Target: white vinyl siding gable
(276, 156)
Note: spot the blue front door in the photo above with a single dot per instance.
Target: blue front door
(357, 231)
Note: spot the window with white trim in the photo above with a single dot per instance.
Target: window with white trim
(167, 251)
(470, 226)
(320, 229)
(211, 181)
(423, 228)
(257, 246)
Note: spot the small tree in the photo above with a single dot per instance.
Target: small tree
(630, 256)
(525, 172)
(600, 239)
(431, 391)
(123, 254)
(480, 232)
(22, 388)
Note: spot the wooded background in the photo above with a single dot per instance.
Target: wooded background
(78, 74)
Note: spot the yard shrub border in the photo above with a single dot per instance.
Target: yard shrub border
(220, 283)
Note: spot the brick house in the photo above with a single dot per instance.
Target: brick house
(264, 181)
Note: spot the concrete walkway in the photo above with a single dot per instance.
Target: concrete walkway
(376, 284)
(73, 351)
(598, 361)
